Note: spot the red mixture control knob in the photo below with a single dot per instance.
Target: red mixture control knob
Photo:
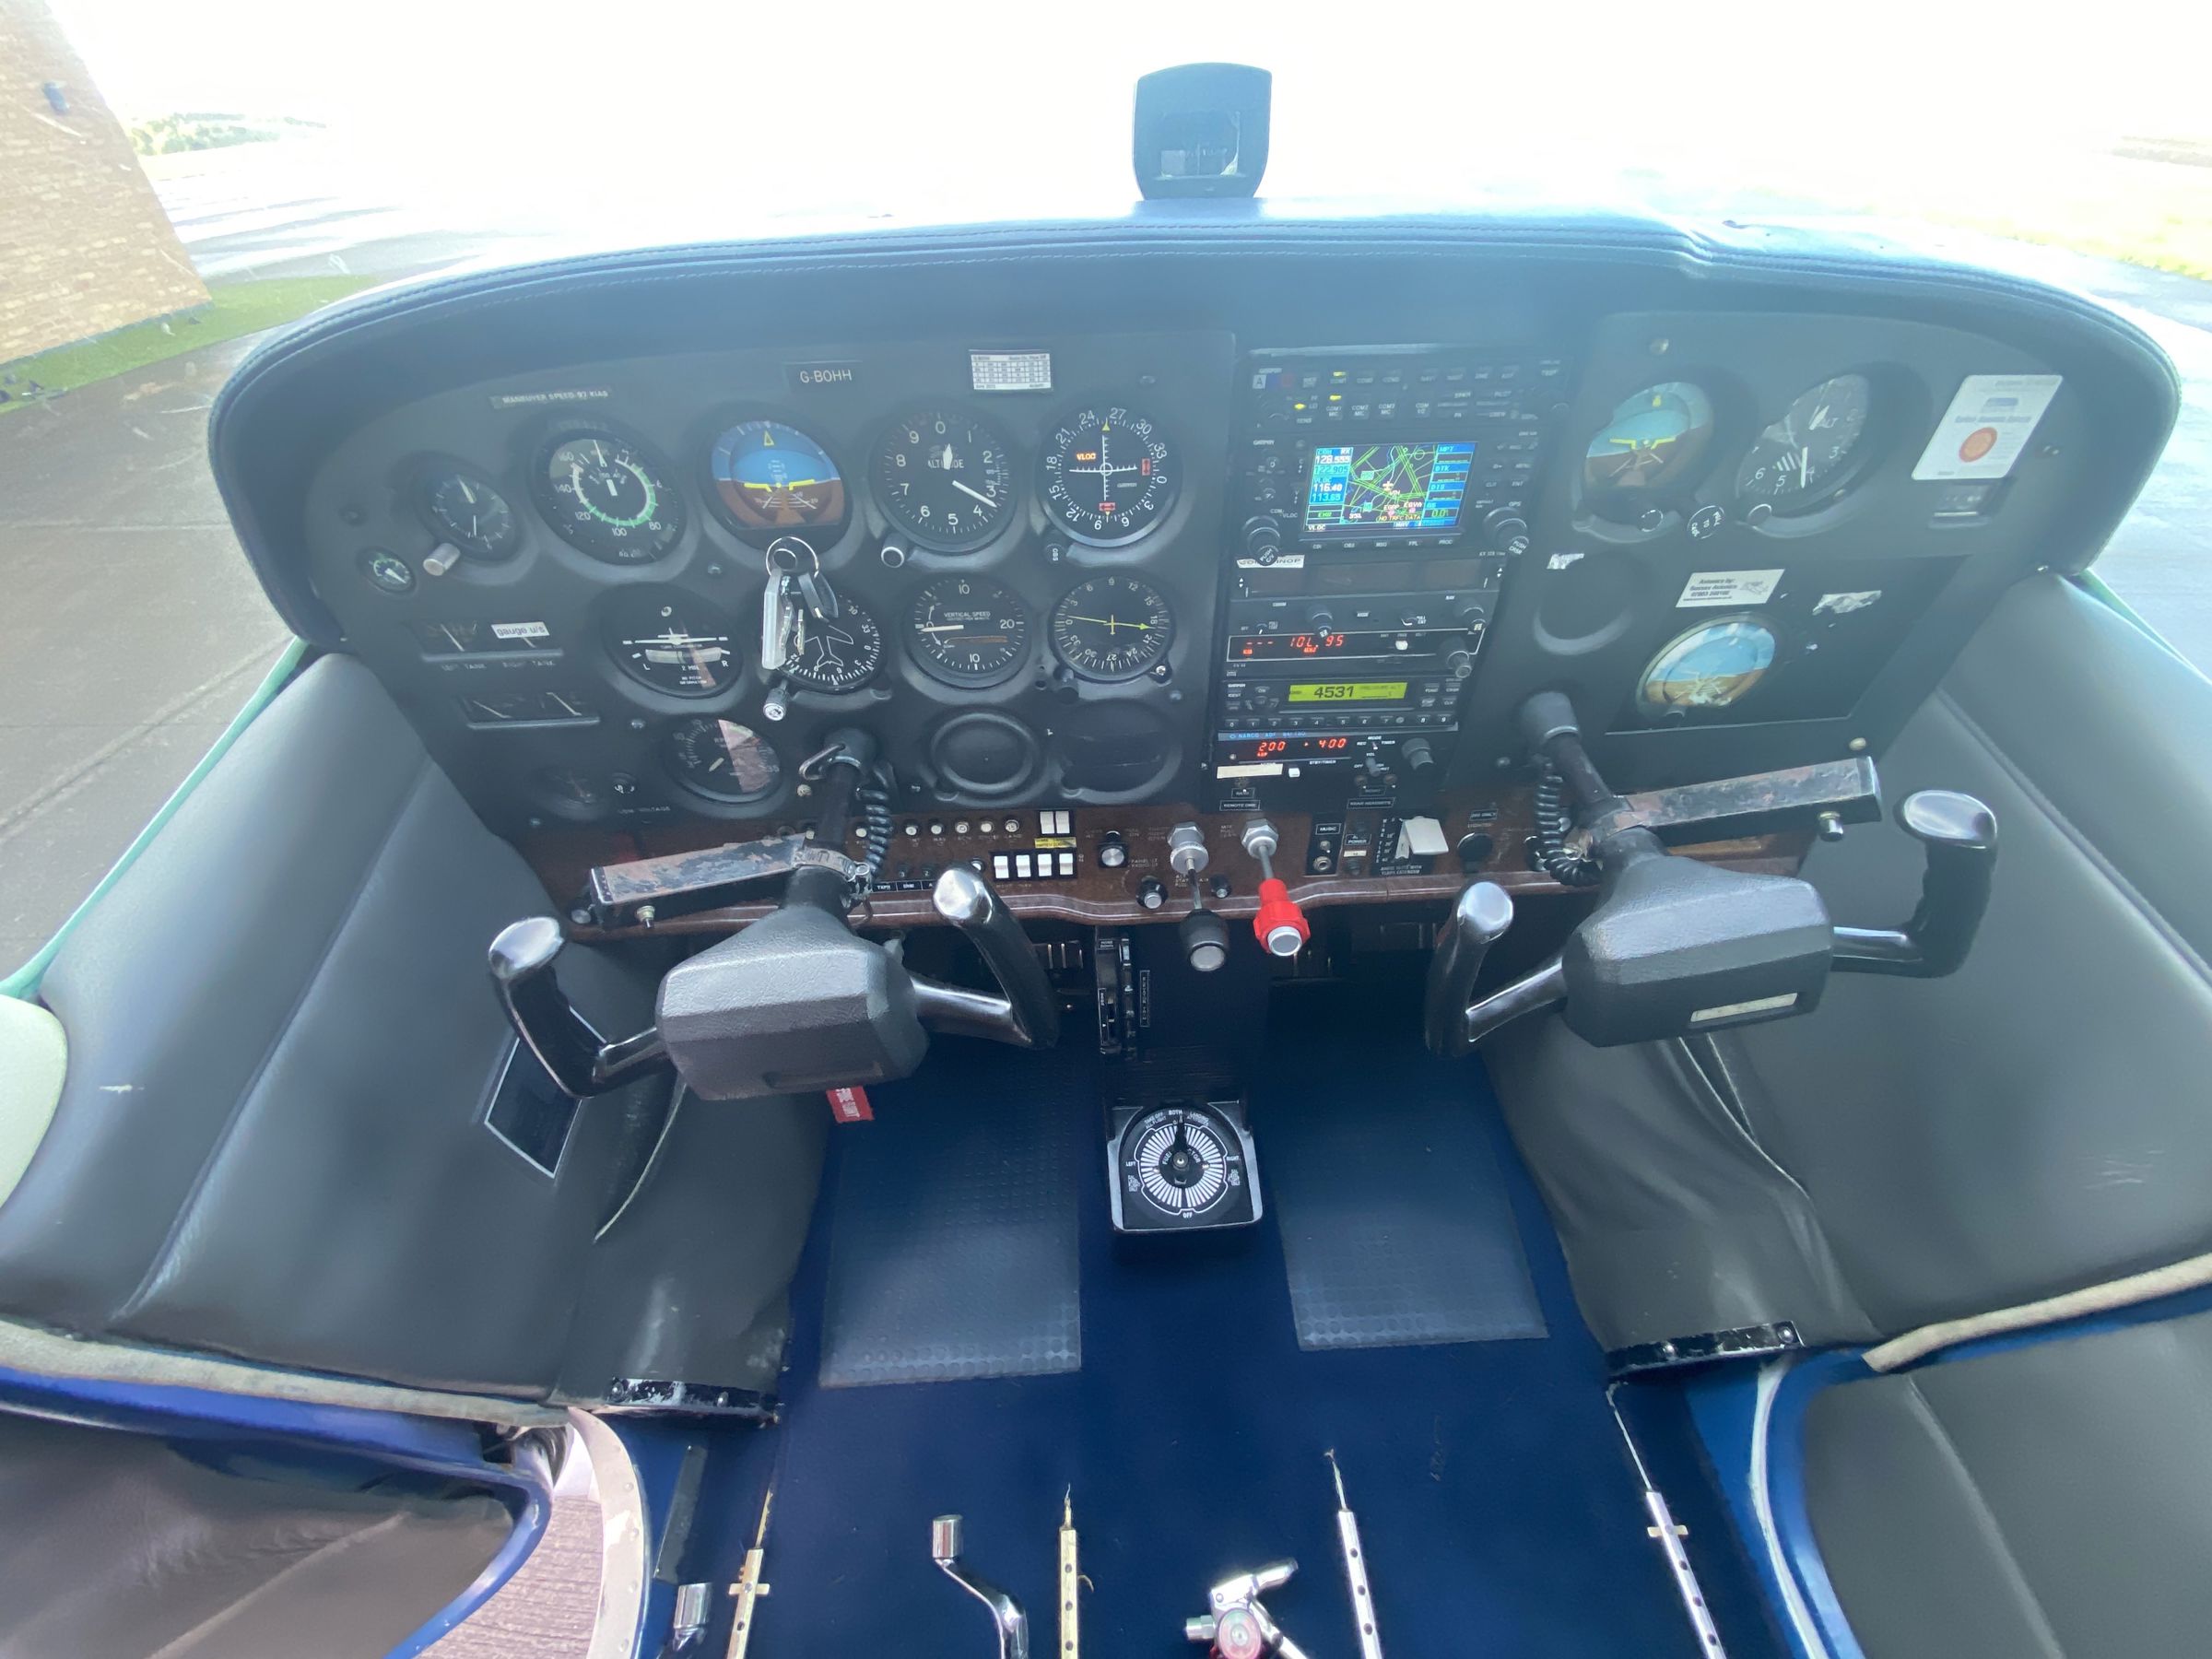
(1281, 926)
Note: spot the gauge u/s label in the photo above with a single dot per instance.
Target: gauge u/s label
(1728, 587)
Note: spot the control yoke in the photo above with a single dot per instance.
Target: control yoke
(797, 1001)
(1677, 947)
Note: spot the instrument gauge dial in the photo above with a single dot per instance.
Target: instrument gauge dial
(770, 478)
(1707, 668)
(1109, 474)
(946, 479)
(1112, 628)
(1810, 454)
(1652, 444)
(968, 632)
(721, 760)
(471, 514)
(608, 497)
(838, 653)
(672, 641)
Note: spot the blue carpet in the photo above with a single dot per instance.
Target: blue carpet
(1499, 1512)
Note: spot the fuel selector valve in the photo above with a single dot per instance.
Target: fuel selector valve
(1281, 926)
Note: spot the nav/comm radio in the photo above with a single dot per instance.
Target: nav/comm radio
(1384, 492)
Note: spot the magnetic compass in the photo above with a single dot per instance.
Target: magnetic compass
(1183, 1167)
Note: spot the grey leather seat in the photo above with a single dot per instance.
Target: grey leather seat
(281, 1040)
(2045, 1500)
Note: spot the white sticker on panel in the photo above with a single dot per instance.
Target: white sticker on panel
(1728, 587)
(1987, 425)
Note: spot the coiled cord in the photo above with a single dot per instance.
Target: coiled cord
(874, 798)
(1555, 820)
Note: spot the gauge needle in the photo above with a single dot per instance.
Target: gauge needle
(942, 627)
(1804, 474)
(1111, 623)
(978, 494)
(946, 461)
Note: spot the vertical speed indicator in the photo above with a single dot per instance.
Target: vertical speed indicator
(1109, 474)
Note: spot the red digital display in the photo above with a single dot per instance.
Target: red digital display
(1304, 747)
(1374, 642)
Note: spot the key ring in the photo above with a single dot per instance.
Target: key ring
(789, 548)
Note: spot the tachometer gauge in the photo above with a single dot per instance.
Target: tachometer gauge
(1654, 439)
(470, 514)
(609, 498)
(1110, 476)
(672, 641)
(1714, 665)
(946, 479)
(1112, 628)
(1804, 458)
(837, 654)
(771, 476)
(721, 760)
(968, 632)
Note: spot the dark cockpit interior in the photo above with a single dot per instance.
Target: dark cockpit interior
(1105, 857)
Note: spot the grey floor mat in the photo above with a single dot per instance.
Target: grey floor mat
(953, 1250)
(1396, 1228)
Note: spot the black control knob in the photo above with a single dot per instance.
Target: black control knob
(1151, 892)
(1460, 664)
(1418, 775)
(1113, 853)
(1506, 531)
(1205, 937)
(1321, 618)
(1263, 538)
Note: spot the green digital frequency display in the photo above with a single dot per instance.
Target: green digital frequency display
(1349, 692)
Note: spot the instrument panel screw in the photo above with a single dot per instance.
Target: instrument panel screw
(637, 723)
(1660, 345)
(803, 790)
(1858, 745)
(715, 571)
(352, 515)
(2050, 452)
(580, 917)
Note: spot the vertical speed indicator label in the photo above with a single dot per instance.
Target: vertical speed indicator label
(1109, 475)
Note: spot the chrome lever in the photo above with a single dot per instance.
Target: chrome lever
(1026, 1015)
(945, 1536)
(1959, 836)
(1479, 920)
(575, 1056)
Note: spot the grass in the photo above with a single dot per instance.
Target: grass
(234, 309)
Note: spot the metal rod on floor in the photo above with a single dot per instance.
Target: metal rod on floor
(1670, 1536)
(1354, 1569)
(749, 1589)
(1069, 1579)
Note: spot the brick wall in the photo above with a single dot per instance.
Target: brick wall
(84, 244)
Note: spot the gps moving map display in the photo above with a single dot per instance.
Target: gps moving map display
(1387, 488)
